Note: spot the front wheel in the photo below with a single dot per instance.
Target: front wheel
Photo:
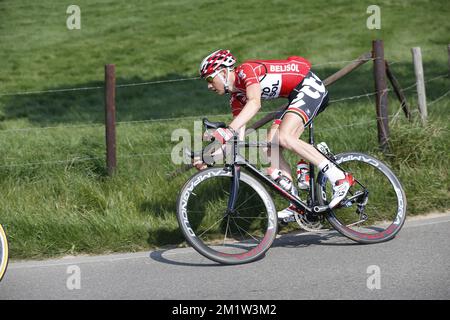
(227, 238)
(375, 207)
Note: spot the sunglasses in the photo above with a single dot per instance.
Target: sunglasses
(210, 78)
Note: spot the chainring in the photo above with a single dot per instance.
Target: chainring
(305, 224)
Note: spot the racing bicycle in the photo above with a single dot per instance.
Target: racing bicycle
(3, 252)
(227, 213)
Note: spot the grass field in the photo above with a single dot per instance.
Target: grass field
(56, 198)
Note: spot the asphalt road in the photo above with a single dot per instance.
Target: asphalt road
(414, 265)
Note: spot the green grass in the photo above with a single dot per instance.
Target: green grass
(52, 208)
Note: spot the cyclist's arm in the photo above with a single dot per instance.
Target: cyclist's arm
(242, 133)
(253, 93)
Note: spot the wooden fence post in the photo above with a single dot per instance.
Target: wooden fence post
(421, 95)
(398, 91)
(381, 94)
(110, 118)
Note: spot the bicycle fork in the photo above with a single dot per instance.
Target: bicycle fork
(236, 172)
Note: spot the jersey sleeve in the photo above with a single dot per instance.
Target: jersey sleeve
(237, 103)
(246, 75)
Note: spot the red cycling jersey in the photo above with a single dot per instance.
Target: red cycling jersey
(277, 79)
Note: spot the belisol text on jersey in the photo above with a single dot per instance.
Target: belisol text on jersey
(284, 68)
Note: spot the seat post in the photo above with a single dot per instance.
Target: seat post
(311, 133)
(312, 200)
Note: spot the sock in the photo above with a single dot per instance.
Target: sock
(332, 172)
(294, 192)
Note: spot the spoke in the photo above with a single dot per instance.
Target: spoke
(211, 227)
(240, 217)
(246, 232)
(245, 218)
(247, 208)
(226, 230)
(245, 201)
(242, 236)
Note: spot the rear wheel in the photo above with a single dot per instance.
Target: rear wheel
(228, 238)
(375, 207)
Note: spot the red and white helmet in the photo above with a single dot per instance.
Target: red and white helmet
(215, 61)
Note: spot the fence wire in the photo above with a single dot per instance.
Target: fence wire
(20, 93)
(125, 85)
(215, 115)
(152, 154)
(439, 98)
(81, 159)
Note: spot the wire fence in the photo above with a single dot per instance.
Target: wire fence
(126, 85)
(135, 84)
(409, 87)
(77, 159)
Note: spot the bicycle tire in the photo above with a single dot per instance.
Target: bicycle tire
(382, 223)
(192, 222)
(4, 253)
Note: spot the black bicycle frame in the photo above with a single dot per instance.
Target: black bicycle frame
(238, 161)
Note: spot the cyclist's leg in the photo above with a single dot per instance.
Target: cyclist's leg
(278, 161)
(340, 181)
(305, 103)
(290, 130)
(275, 154)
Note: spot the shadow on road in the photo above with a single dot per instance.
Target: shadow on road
(159, 257)
(301, 239)
(292, 240)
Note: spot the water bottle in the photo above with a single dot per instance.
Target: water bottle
(283, 181)
(303, 175)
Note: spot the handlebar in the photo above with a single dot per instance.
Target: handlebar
(210, 147)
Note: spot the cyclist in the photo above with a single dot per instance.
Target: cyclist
(254, 80)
